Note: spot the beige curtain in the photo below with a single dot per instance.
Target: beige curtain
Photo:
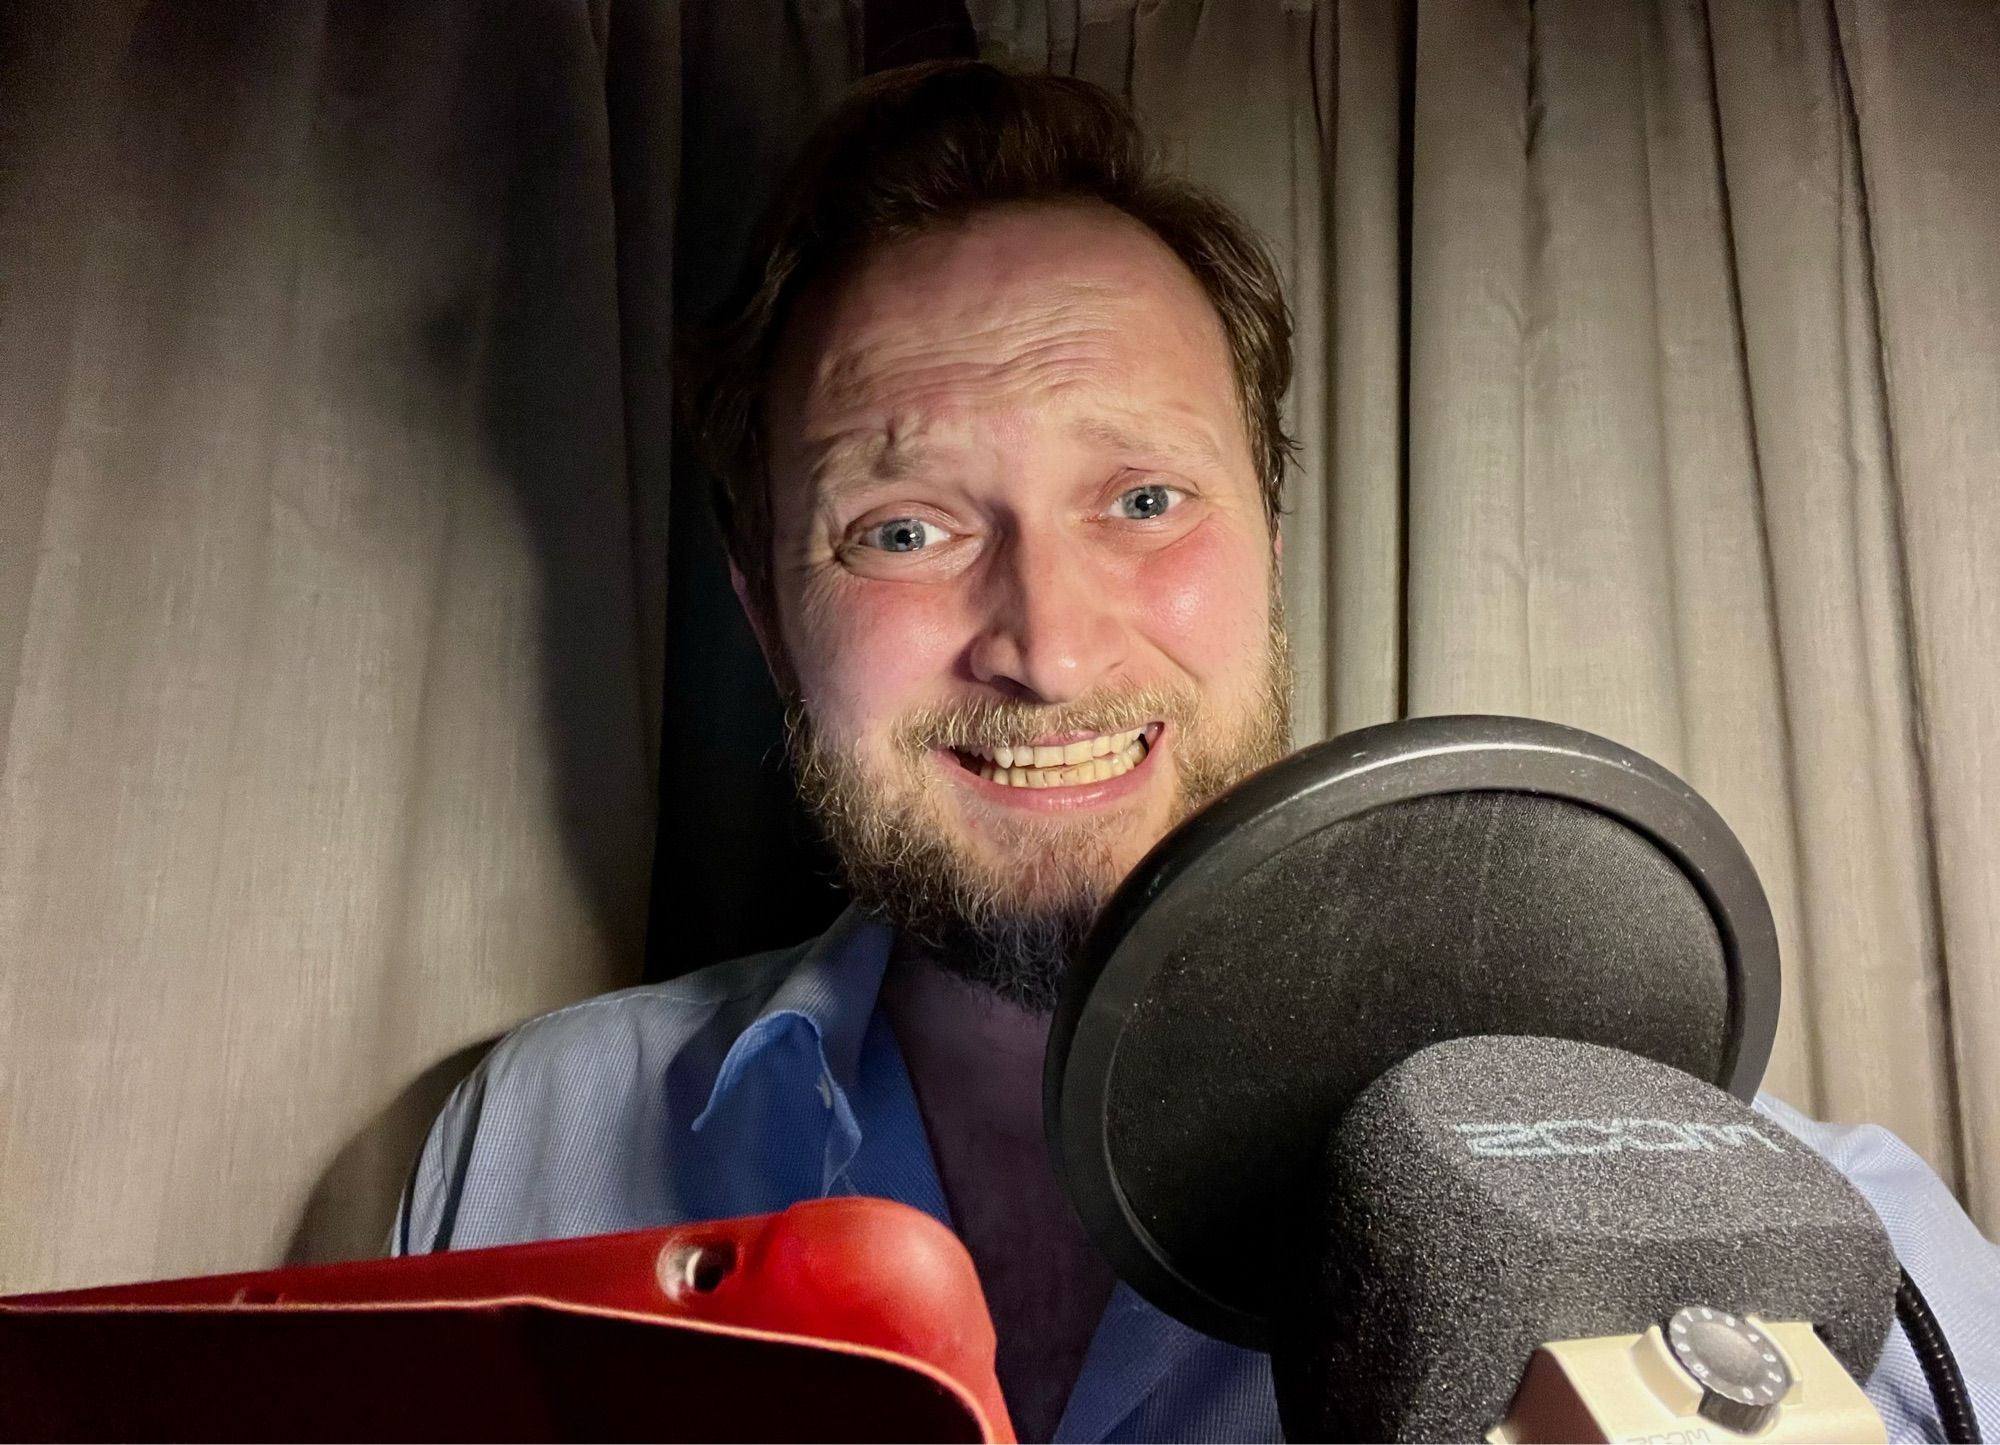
(1650, 381)
(330, 610)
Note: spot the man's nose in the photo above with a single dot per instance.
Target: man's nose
(1052, 629)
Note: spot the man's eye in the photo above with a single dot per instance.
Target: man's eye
(1142, 504)
(903, 534)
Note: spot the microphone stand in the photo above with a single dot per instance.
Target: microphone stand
(1940, 1366)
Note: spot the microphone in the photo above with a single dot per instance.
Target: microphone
(1303, 973)
(1491, 1195)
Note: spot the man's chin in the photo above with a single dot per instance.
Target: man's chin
(1022, 957)
(1049, 880)
(1008, 918)
(1041, 851)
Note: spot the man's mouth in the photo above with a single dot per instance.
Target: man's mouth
(1074, 760)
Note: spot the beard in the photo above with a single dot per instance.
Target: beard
(1010, 917)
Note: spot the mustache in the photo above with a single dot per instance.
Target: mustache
(990, 722)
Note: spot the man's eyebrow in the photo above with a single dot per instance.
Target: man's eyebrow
(859, 458)
(856, 458)
(1149, 438)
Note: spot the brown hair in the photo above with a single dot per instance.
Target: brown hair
(927, 145)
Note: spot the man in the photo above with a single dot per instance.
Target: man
(996, 415)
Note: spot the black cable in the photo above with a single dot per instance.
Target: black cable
(1934, 1356)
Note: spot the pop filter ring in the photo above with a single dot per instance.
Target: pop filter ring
(1329, 783)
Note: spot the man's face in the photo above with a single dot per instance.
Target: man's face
(1023, 575)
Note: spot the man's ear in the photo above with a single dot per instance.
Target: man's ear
(740, 585)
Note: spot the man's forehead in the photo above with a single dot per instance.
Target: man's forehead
(1087, 265)
(1084, 315)
(1070, 253)
(968, 334)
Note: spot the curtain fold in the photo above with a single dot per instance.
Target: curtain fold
(1864, 902)
(1921, 119)
(353, 643)
(326, 753)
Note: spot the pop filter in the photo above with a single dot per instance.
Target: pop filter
(1343, 909)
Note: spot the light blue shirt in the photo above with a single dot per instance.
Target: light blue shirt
(752, 1085)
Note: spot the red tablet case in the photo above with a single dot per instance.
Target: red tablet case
(839, 1319)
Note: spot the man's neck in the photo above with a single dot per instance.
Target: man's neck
(976, 1064)
(977, 1060)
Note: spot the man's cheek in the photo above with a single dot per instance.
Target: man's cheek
(877, 651)
(1203, 598)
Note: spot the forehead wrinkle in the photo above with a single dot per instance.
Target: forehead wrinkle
(885, 452)
(897, 446)
(898, 427)
(1182, 436)
(909, 366)
(1002, 343)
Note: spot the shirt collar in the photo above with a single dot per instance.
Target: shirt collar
(831, 990)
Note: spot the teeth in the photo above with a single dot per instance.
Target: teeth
(1090, 770)
(1090, 760)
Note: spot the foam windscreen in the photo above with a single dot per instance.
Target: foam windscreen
(1356, 903)
(1488, 1195)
